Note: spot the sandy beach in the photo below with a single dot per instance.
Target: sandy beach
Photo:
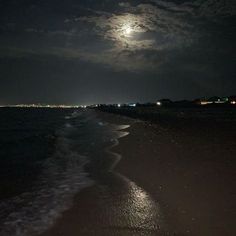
(118, 118)
(169, 181)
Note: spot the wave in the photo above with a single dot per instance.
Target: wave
(62, 176)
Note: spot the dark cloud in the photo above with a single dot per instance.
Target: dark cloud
(75, 51)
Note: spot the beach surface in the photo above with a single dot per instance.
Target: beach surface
(166, 181)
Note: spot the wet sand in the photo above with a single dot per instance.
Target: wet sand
(168, 182)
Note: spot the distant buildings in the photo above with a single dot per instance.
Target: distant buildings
(227, 101)
(164, 102)
(217, 100)
(232, 100)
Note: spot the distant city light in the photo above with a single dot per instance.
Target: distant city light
(233, 102)
(41, 106)
(119, 105)
(132, 105)
(219, 101)
(158, 103)
(205, 102)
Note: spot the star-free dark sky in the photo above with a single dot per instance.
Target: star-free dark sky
(105, 51)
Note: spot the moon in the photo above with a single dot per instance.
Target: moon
(128, 30)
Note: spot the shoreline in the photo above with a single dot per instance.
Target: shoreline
(191, 177)
(191, 189)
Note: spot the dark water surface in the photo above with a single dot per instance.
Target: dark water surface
(43, 153)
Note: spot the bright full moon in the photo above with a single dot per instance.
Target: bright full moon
(125, 31)
(128, 30)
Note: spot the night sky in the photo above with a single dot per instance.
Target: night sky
(111, 51)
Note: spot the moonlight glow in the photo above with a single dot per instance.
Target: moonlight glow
(128, 30)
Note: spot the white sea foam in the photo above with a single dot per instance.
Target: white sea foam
(63, 175)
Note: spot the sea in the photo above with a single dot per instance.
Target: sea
(47, 156)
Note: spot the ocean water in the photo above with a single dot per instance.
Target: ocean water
(45, 158)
